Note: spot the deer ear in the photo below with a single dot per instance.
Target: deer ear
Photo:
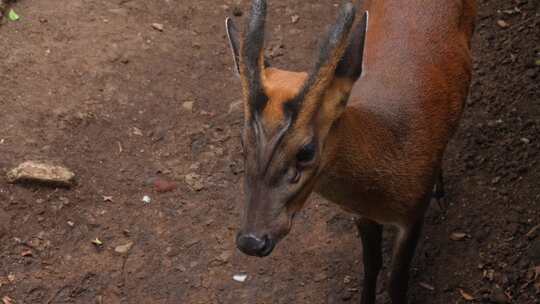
(234, 42)
(350, 65)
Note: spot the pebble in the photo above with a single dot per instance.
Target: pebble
(146, 199)
(502, 23)
(158, 26)
(123, 249)
(458, 236)
(37, 172)
(241, 278)
(188, 105)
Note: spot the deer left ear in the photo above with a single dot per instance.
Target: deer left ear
(234, 42)
(351, 64)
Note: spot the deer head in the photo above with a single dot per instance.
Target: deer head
(288, 116)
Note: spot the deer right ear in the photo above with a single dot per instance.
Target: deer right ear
(234, 42)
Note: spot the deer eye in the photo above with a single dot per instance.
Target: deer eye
(306, 154)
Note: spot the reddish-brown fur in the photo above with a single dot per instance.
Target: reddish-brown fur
(378, 152)
(383, 153)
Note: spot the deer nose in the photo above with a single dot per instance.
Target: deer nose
(253, 245)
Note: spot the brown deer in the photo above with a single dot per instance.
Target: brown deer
(366, 128)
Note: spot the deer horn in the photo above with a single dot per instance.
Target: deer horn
(252, 57)
(329, 56)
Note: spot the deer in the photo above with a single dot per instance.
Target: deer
(366, 128)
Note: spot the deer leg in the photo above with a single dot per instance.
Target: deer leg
(404, 249)
(371, 235)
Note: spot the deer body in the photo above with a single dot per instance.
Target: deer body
(366, 128)
(387, 147)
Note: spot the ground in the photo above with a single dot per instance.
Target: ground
(93, 86)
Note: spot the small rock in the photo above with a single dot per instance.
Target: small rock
(123, 249)
(295, 19)
(194, 181)
(188, 105)
(241, 278)
(502, 24)
(158, 26)
(525, 140)
(146, 199)
(137, 131)
(31, 171)
(458, 236)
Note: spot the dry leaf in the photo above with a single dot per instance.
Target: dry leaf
(465, 295)
(97, 242)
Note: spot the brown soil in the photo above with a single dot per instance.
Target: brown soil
(93, 86)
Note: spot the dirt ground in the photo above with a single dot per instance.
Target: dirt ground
(92, 85)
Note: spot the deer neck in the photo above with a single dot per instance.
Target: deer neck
(360, 153)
